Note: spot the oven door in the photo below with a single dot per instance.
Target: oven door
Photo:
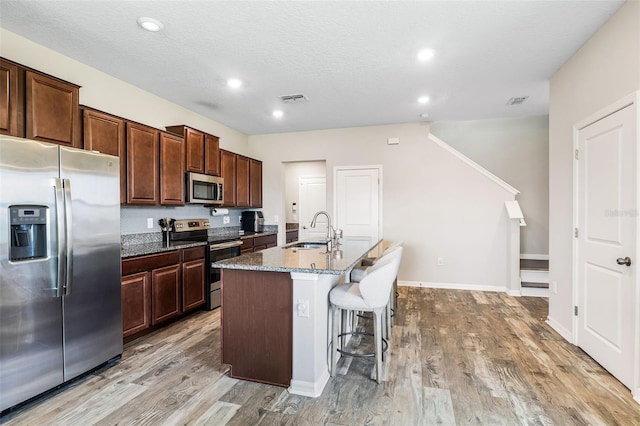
(219, 252)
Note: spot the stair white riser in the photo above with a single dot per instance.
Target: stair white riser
(529, 276)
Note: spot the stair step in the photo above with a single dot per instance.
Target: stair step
(534, 265)
(534, 285)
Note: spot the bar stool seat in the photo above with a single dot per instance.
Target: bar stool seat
(370, 295)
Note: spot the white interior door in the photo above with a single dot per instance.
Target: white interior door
(606, 233)
(312, 199)
(357, 204)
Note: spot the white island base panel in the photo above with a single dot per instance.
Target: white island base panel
(311, 332)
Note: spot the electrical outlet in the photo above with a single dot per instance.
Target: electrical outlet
(226, 219)
(149, 223)
(554, 287)
(276, 218)
(440, 261)
(303, 308)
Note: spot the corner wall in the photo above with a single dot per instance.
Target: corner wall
(432, 200)
(605, 69)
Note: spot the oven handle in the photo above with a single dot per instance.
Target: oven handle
(221, 246)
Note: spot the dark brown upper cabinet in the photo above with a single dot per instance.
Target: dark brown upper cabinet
(106, 133)
(52, 110)
(228, 173)
(171, 169)
(242, 181)
(202, 150)
(142, 164)
(11, 99)
(255, 183)
(211, 155)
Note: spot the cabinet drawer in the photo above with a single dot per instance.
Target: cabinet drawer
(265, 240)
(193, 253)
(247, 245)
(153, 261)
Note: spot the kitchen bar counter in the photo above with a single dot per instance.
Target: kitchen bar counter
(305, 260)
(275, 312)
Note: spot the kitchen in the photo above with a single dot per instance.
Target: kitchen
(116, 97)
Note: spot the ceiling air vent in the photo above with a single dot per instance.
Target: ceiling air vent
(517, 101)
(290, 99)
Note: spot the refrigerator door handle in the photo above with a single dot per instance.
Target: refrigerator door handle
(61, 237)
(66, 183)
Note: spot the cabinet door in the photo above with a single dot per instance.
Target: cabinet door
(255, 185)
(194, 160)
(171, 170)
(228, 172)
(106, 133)
(136, 306)
(211, 155)
(52, 110)
(142, 164)
(165, 293)
(247, 246)
(242, 181)
(11, 99)
(193, 280)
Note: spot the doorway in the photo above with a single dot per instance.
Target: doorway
(305, 194)
(606, 237)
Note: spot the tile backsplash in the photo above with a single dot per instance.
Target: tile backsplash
(133, 220)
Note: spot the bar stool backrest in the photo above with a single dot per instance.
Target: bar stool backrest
(375, 287)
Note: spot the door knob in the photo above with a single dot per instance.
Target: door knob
(624, 261)
(304, 227)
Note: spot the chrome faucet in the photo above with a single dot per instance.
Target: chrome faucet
(329, 228)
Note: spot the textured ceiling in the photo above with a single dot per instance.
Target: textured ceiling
(355, 61)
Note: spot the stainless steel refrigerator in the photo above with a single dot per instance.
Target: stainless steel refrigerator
(60, 306)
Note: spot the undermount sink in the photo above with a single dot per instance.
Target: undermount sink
(306, 245)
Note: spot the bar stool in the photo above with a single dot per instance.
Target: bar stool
(357, 274)
(369, 295)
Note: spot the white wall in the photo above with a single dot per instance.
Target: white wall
(293, 173)
(432, 201)
(517, 151)
(605, 69)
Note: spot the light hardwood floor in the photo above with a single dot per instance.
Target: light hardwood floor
(456, 357)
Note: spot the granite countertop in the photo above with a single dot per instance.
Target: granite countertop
(153, 247)
(315, 260)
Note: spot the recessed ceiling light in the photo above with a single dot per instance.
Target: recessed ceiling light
(234, 83)
(150, 24)
(423, 99)
(424, 115)
(426, 54)
(277, 113)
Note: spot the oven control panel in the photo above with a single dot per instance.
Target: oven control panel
(182, 225)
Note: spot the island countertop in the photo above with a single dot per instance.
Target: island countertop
(315, 261)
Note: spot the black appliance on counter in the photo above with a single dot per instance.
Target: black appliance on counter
(252, 221)
(221, 247)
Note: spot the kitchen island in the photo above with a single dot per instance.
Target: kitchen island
(275, 311)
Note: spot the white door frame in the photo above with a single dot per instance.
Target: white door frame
(633, 100)
(335, 191)
(301, 207)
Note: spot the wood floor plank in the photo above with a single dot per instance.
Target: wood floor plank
(455, 357)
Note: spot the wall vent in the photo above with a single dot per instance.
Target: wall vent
(298, 97)
(517, 101)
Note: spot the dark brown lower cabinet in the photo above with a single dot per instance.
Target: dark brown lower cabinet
(160, 287)
(193, 278)
(257, 325)
(165, 293)
(292, 236)
(136, 303)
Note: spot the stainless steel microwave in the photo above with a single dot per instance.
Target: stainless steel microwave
(204, 189)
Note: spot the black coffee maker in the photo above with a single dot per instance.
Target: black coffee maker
(252, 221)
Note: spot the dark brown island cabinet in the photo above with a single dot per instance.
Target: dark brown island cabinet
(257, 325)
(37, 106)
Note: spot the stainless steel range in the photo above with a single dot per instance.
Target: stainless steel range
(185, 231)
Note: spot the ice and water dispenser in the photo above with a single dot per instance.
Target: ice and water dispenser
(28, 232)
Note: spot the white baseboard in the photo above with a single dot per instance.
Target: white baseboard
(514, 293)
(566, 334)
(310, 389)
(453, 286)
(534, 256)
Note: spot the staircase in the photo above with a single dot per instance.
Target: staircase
(534, 277)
